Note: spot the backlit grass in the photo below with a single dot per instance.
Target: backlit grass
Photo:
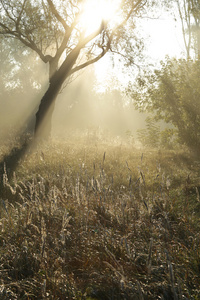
(100, 221)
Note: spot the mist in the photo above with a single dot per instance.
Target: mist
(23, 82)
(80, 108)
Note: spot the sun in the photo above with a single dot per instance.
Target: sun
(96, 11)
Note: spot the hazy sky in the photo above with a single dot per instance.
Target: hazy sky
(165, 37)
(162, 36)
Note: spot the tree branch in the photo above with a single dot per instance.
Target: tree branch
(29, 44)
(89, 62)
(85, 40)
(68, 30)
(20, 14)
(19, 35)
(7, 13)
(57, 15)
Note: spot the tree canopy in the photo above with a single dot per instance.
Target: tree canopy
(172, 94)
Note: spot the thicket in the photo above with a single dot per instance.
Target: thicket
(154, 137)
(172, 94)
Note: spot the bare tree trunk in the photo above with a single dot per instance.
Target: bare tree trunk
(47, 104)
(198, 40)
(45, 112)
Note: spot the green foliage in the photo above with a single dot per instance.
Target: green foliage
(19, 72)
(153, 137)
(150, 136)
(22, 78)
(32, 23)
(79, 221)
(172, 94)
(167, 138)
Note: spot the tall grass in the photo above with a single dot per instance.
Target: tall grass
(100, 222)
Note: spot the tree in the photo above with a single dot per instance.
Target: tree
(195, 9)
(172, 94)
(21, 82)
(189, 15)
(150, 136)
(185, 14)
(53, 30)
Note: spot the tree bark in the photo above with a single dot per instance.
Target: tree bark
(45, 112)
(47, 103)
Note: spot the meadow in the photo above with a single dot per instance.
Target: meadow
(81, 219)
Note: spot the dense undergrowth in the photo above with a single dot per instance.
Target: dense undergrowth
(87, 221)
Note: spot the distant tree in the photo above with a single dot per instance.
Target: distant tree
(167, 138)
(185, 15)
(20, 83)
(53, 31)
(149, 136)
(188, 12)
(195, 11)
(153, 137)
(173, 95)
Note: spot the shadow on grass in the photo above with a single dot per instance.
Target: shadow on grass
(11, 160)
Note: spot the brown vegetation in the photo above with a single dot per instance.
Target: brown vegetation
(100, 222)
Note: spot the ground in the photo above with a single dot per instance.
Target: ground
(94, 220)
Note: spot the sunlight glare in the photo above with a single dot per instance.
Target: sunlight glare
(96, 11)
